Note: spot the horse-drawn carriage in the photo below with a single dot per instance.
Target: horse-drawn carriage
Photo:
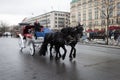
(29, 38)
(66, 36)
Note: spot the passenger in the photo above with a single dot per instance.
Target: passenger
(25, 31)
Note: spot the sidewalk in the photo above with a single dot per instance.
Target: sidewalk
(100, 43)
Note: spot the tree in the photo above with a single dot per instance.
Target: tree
(106, 8)
(3, 26)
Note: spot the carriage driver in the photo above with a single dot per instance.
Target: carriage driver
(37, 27)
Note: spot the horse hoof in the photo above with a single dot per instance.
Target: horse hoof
(44, 54)
(56, 58)
(21, 50)
(60, 56)
(40, 54)
(74, 55)
(63, 57)
(70, 59)
(51, 57)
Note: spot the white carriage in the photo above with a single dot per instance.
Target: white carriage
(29, 41)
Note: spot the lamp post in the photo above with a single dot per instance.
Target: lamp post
(107, 30)
(46, 19)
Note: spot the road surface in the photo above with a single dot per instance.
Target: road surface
(91, 63)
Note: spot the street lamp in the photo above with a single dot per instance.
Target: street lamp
(46, 20)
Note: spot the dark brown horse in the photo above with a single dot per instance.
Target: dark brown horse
(72, 35)
(67, 36)
(55, 39)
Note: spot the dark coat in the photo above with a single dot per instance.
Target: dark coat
(37, 26)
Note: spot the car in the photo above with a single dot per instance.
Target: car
(7, 34)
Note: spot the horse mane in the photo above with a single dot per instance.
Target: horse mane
(67, 31)
(72, 30)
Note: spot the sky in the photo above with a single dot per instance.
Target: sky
(13, 12)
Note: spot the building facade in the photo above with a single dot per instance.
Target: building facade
(93, 14)
(52, 20)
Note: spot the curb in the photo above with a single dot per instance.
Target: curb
(100, 45)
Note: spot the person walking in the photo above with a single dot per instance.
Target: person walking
(118, 40)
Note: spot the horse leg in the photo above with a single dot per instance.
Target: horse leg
(70, 56)
(74, 54)
(57, 51)
(63, 57)
(51, 56)
(43, 49)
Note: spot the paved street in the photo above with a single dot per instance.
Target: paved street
(91, 63)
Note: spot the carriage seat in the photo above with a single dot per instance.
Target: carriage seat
(27, 36)
(42, 34)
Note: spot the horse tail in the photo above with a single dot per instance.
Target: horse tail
(43, 49)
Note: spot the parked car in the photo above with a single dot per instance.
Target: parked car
(7, 34)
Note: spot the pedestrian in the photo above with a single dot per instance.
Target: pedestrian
(118, 40)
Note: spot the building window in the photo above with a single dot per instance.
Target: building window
(55, 17)
(79, 16)
(83, 1)
(103, 22)
(55, 14)
(89, 5)
(111, 0)
(118, 20)
(73, 6)
(90, 25)
(89, 1)
(118, 9)
(84, 15)
(96, 13)
(84, 6)
(96, 3)
(111, 14)
(96, 23)
(118, 5)
(55, 21)
(55, 25)
(90, 14)
(118, 13)
(79, 4)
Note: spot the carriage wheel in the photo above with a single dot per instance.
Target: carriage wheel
(21, 43)
(32, 48)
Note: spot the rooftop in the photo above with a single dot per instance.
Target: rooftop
(73, 1)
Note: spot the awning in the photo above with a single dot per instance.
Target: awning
(114, 27)
(96, 30)
(89, 30)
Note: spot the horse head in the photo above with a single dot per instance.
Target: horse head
(79, 30)
(67, 31)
